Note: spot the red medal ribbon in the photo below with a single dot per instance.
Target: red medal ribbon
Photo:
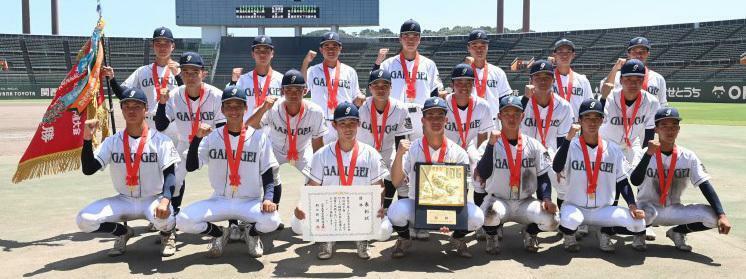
(463, 132)
(293, 136)
(133, 168)
(261, 93)
(196, 118)
(163, 82)
(410, 80)
(664, 182)
(514, 164)
(378, 134)
(332, 87)
(592, 175)
(346, 179)
(234, 159)
(629, 122)
(426, 149)
(543, 130)
(481, 87)
(567, 94)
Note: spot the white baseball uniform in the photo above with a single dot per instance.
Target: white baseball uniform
(580, 207)
(244, 203)
(398, 123)
(246, 84)
(481, 123)
(369, 166)
(656, 85)
(140, 201)
(613, 128)
(142, 78)
(347, 90)
(581, 90)
(497, 87)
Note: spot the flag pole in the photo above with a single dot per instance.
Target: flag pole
(105, 46)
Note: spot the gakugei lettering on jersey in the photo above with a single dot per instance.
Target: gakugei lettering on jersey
(450, 126)
(272, 91)
(617, 120)
(400, 75)
(678, 173)
(389, 128)
(492, 83)
(531, 122)
(300, 131)
(184, 116)
(322, 82)
(577, 91)
(654, 90)
(502, 163)
(149, 82)
(149, 157)
(580, 166)
(246, 156)
(359, 171)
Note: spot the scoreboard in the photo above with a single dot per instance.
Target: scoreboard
(277, 11)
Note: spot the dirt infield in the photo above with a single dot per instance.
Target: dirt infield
(38, 235)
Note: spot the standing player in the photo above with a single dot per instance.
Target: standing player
(142, 170)
(385, 122)
(515, 168)
(332, 82)
(571, 86)
(663, 180)
(490, 82)
(653, 82)
(240, 166)
(595, 170)
(262, 81)
(364, 167)
(433, 143)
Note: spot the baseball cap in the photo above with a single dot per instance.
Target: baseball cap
(667, 113)
(233, 93)
(541, 66)
(191, 59)
(511, 101)
(563, 42)
(478, 35)
(133, 94)
(293, 77)
(434, 103)
(410, 26)
(633, 67)
(639, 41)
(589, 106)
(163, 33)
(346, 110)
(462, 71)
(262, 40)
(330, 37)
(379, 74)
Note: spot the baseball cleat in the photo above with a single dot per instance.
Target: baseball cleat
(215, 249)
(120, 244)
(679, 240)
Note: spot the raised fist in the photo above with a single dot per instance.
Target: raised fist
(90, 128)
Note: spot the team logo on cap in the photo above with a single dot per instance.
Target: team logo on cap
(435, 102)
(463, 72)
(639, 40)
(541, 67)
(163, 31)
(132, 93)
(331, 36)
(262, 39)
(234, 91)
(189, 58)
(347, 111)
(668, 112)
(380, 73)
(292, 79)
(593, 104)
(411, 27)
(635, 67)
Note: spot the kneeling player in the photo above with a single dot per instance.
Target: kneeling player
(237, 156)
(663, 180)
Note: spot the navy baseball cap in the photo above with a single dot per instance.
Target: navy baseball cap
(133, 94)
(233, 93)
(434, 103)
(346, 110)
(330, 37)
(462, 71)
(633, 67)
(478, 35)
(589, 106)
(667, 113)
(293, 77)
(262, 40)
(563, 42)
(410, 26)
(163, 33)
(511, 101)
(379, 74)
(541, 66)
(639, 41)
(191, 59)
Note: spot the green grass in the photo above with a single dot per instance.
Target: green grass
(712, 113)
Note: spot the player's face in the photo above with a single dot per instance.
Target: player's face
(133, 111)
(410, 41)
(510, 118)
(463, 86)
(433, 121)
(293, 94)
(330, 50)
(632, 83)
(380, 89)
(192, 75)
(639, 52)
(478, 49)
(233, 110)
(262, 55)
(564, 55)
(163, 48)
(668, 130)
(591, 122)
(542, 81)
(346, 128)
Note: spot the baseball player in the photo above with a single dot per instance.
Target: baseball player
(331, 82)
(142, 164)
(568, 84)
(414, 77)
(515, 166)
(433, 147)
(262, 81)
(385, 122)
(490, 82)
(662, 175)
(594, 169)
(364, 167)
(240, 168)
(186, 107)
(653, 82)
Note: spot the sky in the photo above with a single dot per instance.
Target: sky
(137, 18)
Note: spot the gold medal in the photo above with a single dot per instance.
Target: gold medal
(514, 189)
(292, 162)
(591, 196)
